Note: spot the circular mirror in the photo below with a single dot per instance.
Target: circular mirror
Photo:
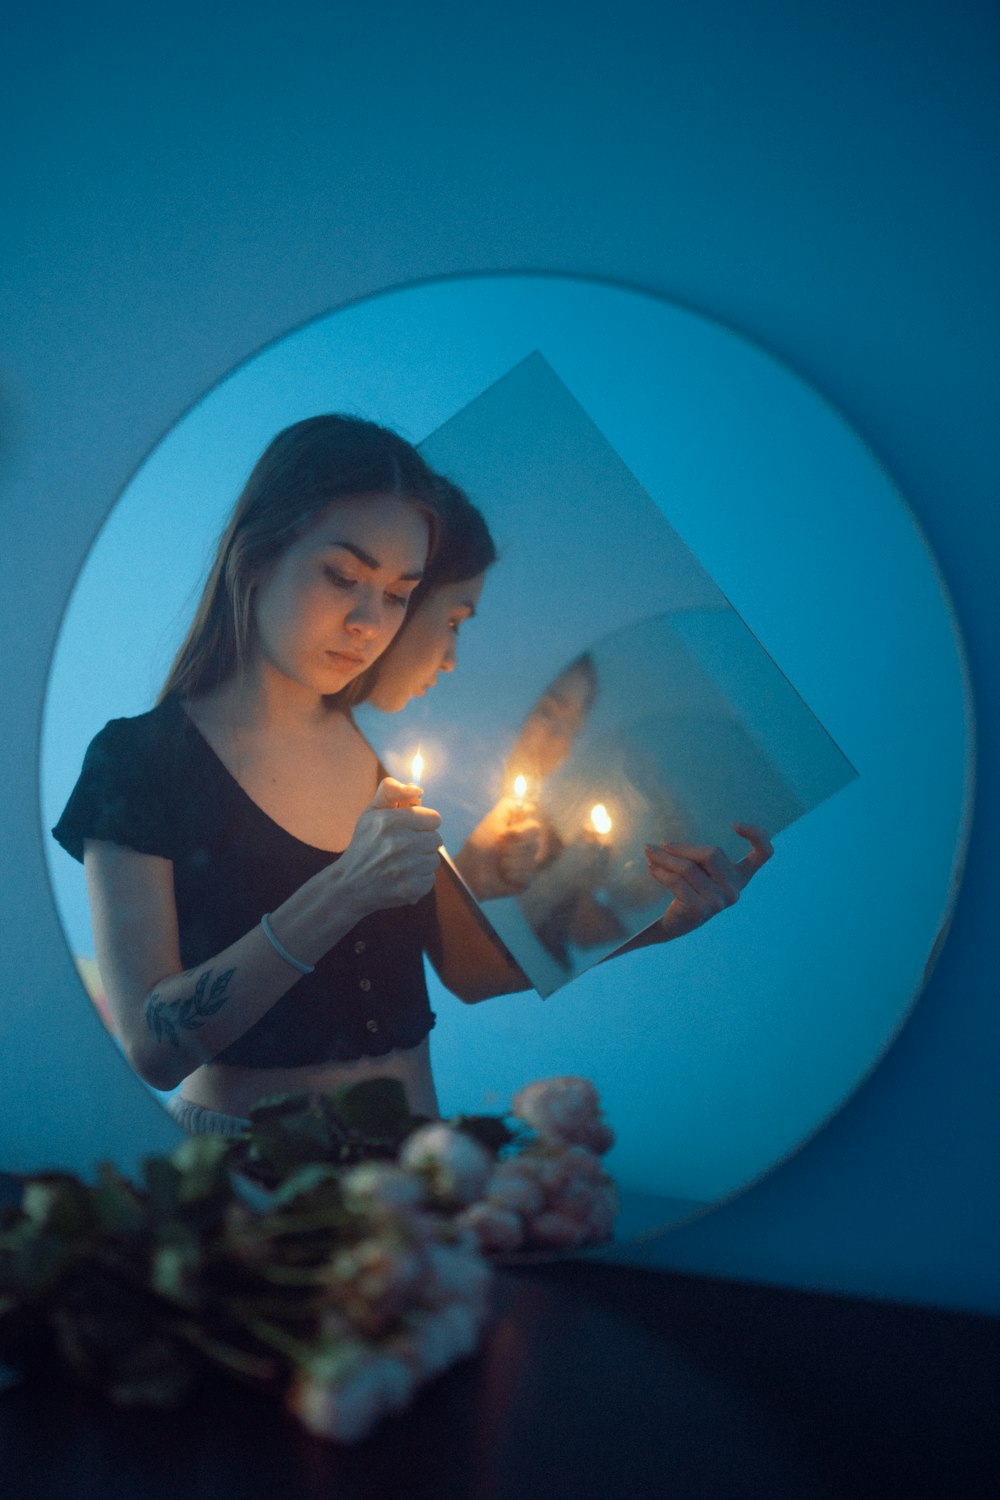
(719, 1053)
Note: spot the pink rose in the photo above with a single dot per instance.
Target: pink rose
(565, 1111)
(554, 1231)
(374, 1281)
(514, 1188)
(498, 1230)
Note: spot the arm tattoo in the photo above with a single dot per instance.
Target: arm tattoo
(163, 1017)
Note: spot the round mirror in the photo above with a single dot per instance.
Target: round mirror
(719, 1053)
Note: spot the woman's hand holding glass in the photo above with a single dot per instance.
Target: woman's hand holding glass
(703, 879)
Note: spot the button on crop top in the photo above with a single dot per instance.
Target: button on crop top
(154, 784)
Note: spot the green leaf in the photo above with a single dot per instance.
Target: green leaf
(174, 1272)
(59, 1204)
(277, 1106)
(286, 1143)
(489, 1130)
(163, 1181)
(376, 1109)
(317, 1178)
(240, 1361)
(116, 1203)
(202, 1163)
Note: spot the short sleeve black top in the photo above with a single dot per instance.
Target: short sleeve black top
(154, 784)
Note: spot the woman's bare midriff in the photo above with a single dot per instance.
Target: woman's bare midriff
(235, 1091)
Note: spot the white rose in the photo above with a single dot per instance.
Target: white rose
(347, 1410)
(455, 1166)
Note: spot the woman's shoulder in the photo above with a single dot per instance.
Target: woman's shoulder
(141, 735)
(124, 793)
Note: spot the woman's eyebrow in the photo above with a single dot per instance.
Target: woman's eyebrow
(373, 562)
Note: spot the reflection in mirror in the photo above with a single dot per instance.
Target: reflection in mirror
(716, 1055)
(635, 743)
(667, 730)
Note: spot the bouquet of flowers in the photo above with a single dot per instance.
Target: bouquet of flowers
(336, 1254)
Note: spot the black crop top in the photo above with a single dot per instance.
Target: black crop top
(154, 784)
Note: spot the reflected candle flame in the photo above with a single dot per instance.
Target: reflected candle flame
(600, 818)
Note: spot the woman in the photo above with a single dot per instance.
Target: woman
(262, 894)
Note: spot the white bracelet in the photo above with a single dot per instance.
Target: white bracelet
(281, 950)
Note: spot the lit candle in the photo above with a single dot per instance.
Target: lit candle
(601, 819)
(520, 789)
(417, 768)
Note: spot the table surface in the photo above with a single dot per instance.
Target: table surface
(592, 1380)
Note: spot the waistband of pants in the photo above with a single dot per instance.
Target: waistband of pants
(197, 1120)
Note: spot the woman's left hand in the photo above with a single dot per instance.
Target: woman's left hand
(703, 879)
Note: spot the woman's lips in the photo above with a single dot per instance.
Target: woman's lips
(347, 660)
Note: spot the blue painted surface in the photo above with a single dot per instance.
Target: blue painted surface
(821, 177)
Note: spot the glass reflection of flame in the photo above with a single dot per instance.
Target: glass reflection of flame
(600, 818)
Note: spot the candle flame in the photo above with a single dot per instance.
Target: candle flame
(520, 787)
(600, 818)
(417, 768)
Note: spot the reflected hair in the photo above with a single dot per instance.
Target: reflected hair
(465, 547)
(307, 467)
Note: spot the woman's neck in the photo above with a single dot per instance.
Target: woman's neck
(260, 701)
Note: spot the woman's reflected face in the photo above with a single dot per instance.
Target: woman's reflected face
(427, 645)
(548, 733)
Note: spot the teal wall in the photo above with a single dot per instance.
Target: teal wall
(822, 177)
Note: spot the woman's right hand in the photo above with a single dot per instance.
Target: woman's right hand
(500, 854)
(392, 859)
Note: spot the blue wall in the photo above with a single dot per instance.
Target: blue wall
(822, 177)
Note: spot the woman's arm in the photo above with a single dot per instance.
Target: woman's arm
(703, 881)
(467, 961)
(171, 1021)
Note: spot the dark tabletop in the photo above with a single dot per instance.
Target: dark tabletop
(593, 1380)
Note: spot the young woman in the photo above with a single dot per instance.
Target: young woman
(262, 893)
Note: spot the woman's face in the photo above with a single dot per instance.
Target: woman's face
(427, 646)
(335, 599)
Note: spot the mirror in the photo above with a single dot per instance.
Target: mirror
(635, 742)
(718, 1054)
(665, 718)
